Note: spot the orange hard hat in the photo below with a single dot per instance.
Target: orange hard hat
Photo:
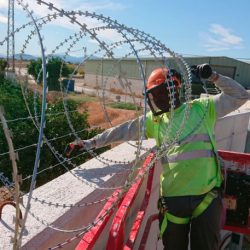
(160, 75)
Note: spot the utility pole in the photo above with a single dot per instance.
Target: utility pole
(11, 38)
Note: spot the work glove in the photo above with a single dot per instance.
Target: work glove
(77, 145)
(203, 71)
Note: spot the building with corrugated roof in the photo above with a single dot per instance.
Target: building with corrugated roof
(121, 73)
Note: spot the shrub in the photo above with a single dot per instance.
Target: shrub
(123, 105)
(25, 133)
(53, 68)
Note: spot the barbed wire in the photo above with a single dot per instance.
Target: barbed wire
(49, 140)
(33, 117)
(8, 184)
(130, 37)
(118, 193)
(16, 179)
(5, 180)
(71, 126)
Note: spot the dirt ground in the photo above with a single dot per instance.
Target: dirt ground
(97, 115)
(95, 110)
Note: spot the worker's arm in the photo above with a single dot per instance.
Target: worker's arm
(233, 94)
(232, 97)
(130, 130)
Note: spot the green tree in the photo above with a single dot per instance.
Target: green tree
(34, 67)
(25, 134)
(53, 66)
(3, 65)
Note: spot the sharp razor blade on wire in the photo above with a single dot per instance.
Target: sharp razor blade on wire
(129, 39)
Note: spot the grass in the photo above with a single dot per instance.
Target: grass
(80, 98)
(123, 105)
(121, 92)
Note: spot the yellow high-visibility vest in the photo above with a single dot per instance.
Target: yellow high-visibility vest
(190, 166)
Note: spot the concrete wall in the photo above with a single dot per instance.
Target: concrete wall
(122, 85)
(247, 146)
(67, 189)
(231, 131)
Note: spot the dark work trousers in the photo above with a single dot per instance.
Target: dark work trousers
(204, 230)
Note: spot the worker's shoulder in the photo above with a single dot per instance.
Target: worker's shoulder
(149, 114)
(151, 119)
(202, 101)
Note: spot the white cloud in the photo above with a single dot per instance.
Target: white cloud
(220, 38)
(43, 10)
(91, 6)
(102, 5)
(3, 19)
(110, 35)
(3, 4)
(93, 41)
(39, 10)
(225, 34)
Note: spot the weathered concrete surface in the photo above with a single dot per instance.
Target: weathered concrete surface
(231, 130)
(67, 189)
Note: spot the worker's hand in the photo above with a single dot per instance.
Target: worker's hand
(202, 71)
(74, 146)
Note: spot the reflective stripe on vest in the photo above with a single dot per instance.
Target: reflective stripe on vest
(201, 120)
(203, 153)
(195, 138)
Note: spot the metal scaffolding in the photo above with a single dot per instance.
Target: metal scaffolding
(11, 37)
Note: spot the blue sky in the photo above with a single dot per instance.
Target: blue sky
(191, 27)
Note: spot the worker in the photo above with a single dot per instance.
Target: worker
(190, 202)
